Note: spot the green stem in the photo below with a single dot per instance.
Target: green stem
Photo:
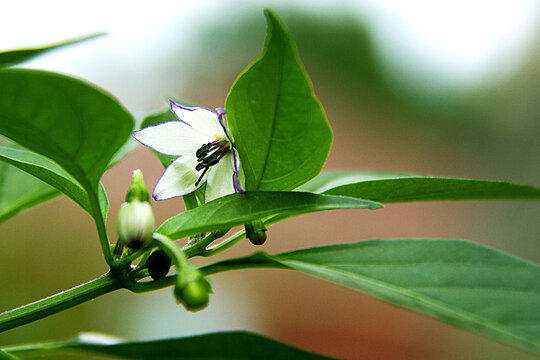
(255, 261)
(177, 256)
(225, 244)
(199, 248)
(101, 227)
(234, 239)
(61, 301)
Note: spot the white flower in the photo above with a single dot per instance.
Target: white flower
(204, 150)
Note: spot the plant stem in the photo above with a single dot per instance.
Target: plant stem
(61, 301)
(255, 261)
(225, 244)
(100, 225)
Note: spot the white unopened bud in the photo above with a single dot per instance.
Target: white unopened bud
(135, 224)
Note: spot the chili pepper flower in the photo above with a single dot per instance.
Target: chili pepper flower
(205, 153)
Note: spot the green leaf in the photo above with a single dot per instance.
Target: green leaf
(457, 282)
(428, 189)
(225, 345)
(237, 209)
(20, 191)
(394, 187)
(13, 57)
(278, 125)
(5, 356)
(331, 179)
(47, 171)
(76, 125)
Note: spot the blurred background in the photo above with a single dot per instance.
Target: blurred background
(445, 88)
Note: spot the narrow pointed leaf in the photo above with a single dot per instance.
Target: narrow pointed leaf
(278, 125)
(458, 282)
(328, 180)
(394, 187)
(236, 345)
(14, 57)
(237, 209)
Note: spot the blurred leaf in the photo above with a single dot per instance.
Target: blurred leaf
(19, 191)
(13, 57)
(413, 188)
(225, 345)
(458, 282)
(236, 209)
(5, 356)
(278, 125)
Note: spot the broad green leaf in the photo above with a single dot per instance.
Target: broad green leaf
(278, 125)
(458, 282)
(236, 209)
(13, 57)
(27, 187)
(407, 189)
(47, 171)
(235, 345)
(75, 124)
(20, 191)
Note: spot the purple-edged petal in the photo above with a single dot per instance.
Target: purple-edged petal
(199, 118)
(239, 180)
(172, 138)
(178, 179)
(220, 179)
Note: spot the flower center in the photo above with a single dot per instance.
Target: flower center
(209, 155)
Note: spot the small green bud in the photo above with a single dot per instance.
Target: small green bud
(256, 232)
(194, 296)
(135, 224)
(137, 190)
(158, 265)
(192, 290)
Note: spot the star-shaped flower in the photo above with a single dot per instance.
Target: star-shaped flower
(205, 154)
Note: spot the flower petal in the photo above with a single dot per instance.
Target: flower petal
(172, 138)
(201, 119)
(220, 179)
(178, 179)
(239, 179)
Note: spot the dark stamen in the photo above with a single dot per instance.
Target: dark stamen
(209, 155)
(202, 175)
(203, 151)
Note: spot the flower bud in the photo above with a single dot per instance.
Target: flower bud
(137, 190)
(135, 224)
(192, 290)
(256, 232)
(158, 265)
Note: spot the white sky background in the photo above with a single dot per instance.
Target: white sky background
(456, 42)
(453, 43)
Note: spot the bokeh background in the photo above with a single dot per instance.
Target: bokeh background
(446, 88)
